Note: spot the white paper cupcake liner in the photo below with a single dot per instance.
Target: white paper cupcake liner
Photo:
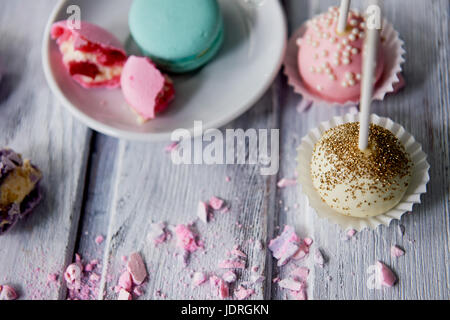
(417, 186)
(391, 81)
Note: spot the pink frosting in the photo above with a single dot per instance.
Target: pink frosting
(142, 85)
(330, 64)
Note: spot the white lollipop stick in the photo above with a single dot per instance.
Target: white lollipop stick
(343, 15)
(367, 84)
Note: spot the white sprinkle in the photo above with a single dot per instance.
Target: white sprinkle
(312, 69)
(351, 82)
(346, 61)
(345, 41)
(355, 31)
(339, 46)
(324, 53)
(328, 70)
(333, 40)
(319, 87)
(353, 22)
(358, 76)
(355, 51)
(362, 25)
(315, 44)
(362, 35)
(337, 54)
(332, 77)
(345, 84)
(352, 37)
(319, 69)
(346, 54)
(336, 62)
(349, 75)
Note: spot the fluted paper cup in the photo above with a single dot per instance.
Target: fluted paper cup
(390, 82)
(417, 185)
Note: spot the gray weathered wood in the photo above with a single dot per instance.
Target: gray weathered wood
(35, 124)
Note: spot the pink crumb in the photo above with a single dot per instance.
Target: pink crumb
(199, 278)
(300, 273)
(229, 277)
(7, 293)
(136, 268)
(237, 252)
(397, 252)
(284, 183)
(53, 277)
(219, 287)
(99, 240)
(138, 291)
(232, 264)
(125, 281)
(290, 284)
(285, 246)
(124, 295)
(351, 233)
(308, 241)
(186, 239)
(227, 179)
(216, 203)
(387, 277)
(242, 293)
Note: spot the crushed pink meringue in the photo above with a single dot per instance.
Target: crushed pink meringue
(216, 203)
(199, 278)
(284, 183)
(7, 293)
(72, 275)
(242, 293)
(351, 233)
(186, 239)
(125, 281)
(219, 287)
(232, 264)
(287, 245)
(387, 276)
(229, 277)
(203, 211)
(124, 295)
(300, 273)
(136, 268)
(290, 284)
(397, 252)
(238, 253)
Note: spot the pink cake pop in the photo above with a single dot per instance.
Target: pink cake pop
(330, 63)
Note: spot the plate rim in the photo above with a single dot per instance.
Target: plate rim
(154, 137)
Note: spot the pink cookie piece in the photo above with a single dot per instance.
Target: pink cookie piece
(216, 203)
(219, 287)
(284, 183)
(72, 275)
(238, 253)
(387, 276)
(7, 293)
(232, 264)
(330, 64)
(124, 295)
(229, 277)
(242, 293)
(397, 252)
(203, 211)
(199, 278)
(285, 246)
(136, 268)
(290, 284)
(93, 56)
(186, 239)
(125, 281)
(145, 88)
(351, 233)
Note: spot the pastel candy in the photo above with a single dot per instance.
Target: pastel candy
(179, 36)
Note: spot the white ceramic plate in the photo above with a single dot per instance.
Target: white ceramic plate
(249, 61)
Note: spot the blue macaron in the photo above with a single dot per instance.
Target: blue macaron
(178, 35)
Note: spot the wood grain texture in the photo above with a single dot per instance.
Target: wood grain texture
(35, 124)
(423, 108)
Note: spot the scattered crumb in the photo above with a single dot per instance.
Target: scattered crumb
(199, 278)
(99, 240)
(136, 268)
(242, 293)
(397, 252)
(284, 183)
(216, 203)
(229, 277)
(7, 293)
(387, 277)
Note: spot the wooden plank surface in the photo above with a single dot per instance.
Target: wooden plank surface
(130, 184)
(35, 124)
